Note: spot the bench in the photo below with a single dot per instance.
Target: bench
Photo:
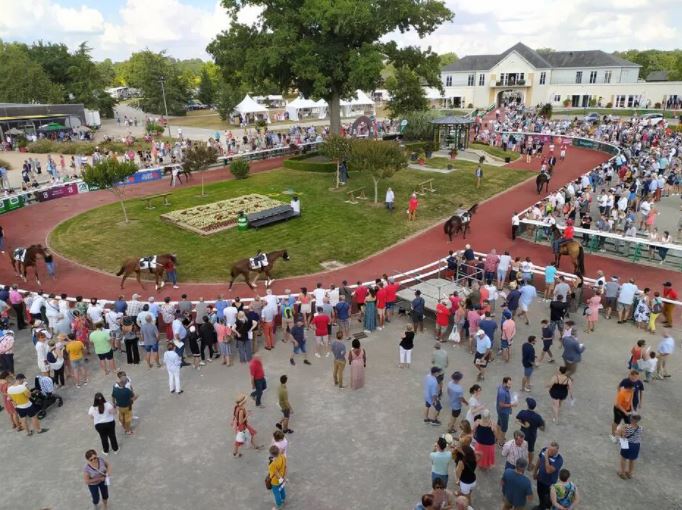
(269, 216)
(426, 187)
(355, 195)
(150, 198)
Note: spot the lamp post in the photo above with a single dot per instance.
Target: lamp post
(165, 106)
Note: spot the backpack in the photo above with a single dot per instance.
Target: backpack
(657, 307)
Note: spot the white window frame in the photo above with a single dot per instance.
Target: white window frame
(471, 79)
(578, 76)
(543, 77)
(607, 76)
(481, 80)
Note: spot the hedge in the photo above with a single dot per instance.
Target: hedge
(5, 164)
(416, 146)
(300, 163)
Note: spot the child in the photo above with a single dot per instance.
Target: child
(547, 339)
(650, 367)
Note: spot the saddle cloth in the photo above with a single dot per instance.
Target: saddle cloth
(148, 263)
(19, 254)
(258, 261)
(464, 216)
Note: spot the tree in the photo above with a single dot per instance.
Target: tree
(323, 49)
(111, 174)
(419, 125)
(107, 72)
(145, 70)
(24, 81)
(546, 111)
(197, 158)
(448, 58)
(337, 148)
(406, 92)
(227, 97)
(380, 159)
(206, 88)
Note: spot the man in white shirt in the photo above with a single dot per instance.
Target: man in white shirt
(36, 304)
(95, 311)
(665, 348)
(41, 352)
(319, 293)
(644, 209)
(502, 269)
(173, 362)
(515, 221)
(296, 205)
(626, 296)
(270, 300)
(390, 198)
(230, 314)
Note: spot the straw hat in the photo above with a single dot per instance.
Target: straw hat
(240, 399)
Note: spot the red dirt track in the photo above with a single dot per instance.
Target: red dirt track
(490, 229)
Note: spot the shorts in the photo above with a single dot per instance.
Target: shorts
(125, 414)
(305, 307)
(456, 413)
(151, 348)
(440, 329)
(116, 335)
(224, 348)
(344, 323)
(417, 318)
(287, 324)
(503, 421)
(479, 360)
(466, 488)
(527, 371)
(29, 411)
(504, 344)
(77, 363)
(610, 302)
(547, 345)
(531, 442)
(322, 339)
(106, 355)
(381, 311)
(622, 306)
(632, 452)
(523, 306)
(619, 416)
(300, 348)
(286, 412)
(390, 305)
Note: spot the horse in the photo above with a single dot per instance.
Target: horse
(154, 264)
(456, 223)
(571, 248)
(23, 258)
(243, 267)
(542, 180)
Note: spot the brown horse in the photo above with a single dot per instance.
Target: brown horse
(459, 222)
(571, 248)
(243, 267)
(155, 264)
(23, 258)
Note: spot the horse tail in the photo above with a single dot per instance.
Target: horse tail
(122, 270)
(581, 260)
(447, 226)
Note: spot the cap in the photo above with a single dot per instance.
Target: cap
(480, 332)
(435, 370)
(135, 296)
(531, 403)
(667, 284)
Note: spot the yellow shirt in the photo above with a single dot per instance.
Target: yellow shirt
(19, 394)
(75, 349)
(277, 469)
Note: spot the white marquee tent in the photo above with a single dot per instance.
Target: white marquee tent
(359, 105)
(300, 107)
(249, 110)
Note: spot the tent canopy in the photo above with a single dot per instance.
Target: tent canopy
(360, 99)
(433, 94)
(248, 105)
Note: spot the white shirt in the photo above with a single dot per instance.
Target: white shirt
(667, 345)
(36, 304)
(515, 220)
(95, 313)
(503, 264)
(270, 301)
(41, 353)
(230, 314)
(390, 196)
(112, 320)
(107, 416)
(627, 293)
(296, 206)
(333, 297)
(319, 296)
(172, 361)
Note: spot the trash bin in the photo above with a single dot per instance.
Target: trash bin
(242, 223)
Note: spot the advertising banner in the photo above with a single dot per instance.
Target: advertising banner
(11, 203)
(56, 192)
(145, 176)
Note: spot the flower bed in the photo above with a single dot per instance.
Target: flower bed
(217, 216)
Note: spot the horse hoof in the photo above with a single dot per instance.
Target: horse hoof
(162, 285)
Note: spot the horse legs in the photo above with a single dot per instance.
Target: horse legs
(137, 273)
(35, 270)
(156, 279)
(269, 280)
(253, 284)
(125, 275)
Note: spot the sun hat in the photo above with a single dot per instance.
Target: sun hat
(241, 398)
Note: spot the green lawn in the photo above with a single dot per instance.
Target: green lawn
(495, 151)
(329, 228)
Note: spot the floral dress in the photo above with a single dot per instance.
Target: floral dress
(79, 326)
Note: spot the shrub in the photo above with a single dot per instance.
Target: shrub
(261, 123)
(657, 105)
(546, 111)
(5, 164)
(609, 105)
(240, 168)
(154, 128)
(470, 105)
(416, 146)
(48, 146)
(301, 163)
(567, 102)
(419, 125)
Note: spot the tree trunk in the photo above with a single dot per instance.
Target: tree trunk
(335, 114)
(376, 189)
(123, 206)
(338, 174)
(202, 184)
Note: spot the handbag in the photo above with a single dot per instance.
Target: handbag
(240, 437)
(454, 336)
(268, 482)
(107, 480)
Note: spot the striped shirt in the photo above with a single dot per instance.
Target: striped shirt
(512, 452)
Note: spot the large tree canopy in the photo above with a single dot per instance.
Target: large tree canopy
(23, 80)
(323, 48)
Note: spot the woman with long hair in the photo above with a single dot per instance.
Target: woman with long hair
(305, 306)
(104, 417)
(465, 473)
(96, 474)
(240, 424)
(560, 386)
(370, 320)
(357, 359)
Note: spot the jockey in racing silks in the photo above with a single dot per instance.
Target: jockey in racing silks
(567, 236)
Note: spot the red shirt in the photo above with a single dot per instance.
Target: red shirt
(442, 315)
(670, 293)
(568, 232)
(381, 298)
(454, 303)
(256, 369)
(321, 322)
(361, 294)
(412, 204)
(392, 292)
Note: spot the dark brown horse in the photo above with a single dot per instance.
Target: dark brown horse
(571, 248)
(459, 222)
(243, 268)
(542, 180)
(23, 258)
(155, 264)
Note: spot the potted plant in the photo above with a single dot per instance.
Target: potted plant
(453, 152)
(567, 102)
(429, 148)
(421, 158)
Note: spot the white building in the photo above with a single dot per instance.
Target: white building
(580, 78)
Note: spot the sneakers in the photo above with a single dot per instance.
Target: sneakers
(435, 423)
(305, 361)
(202, 364)
(181, 392)
(291, 361)
(326, 355)
(613, 438)
(317, 355)
(426, 420)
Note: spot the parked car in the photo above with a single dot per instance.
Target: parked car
(592, 117)
(196, 105)
(652, 118)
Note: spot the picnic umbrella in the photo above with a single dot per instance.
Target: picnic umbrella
(14, 131)
(52, 126)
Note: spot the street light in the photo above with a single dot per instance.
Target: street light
(162, 79)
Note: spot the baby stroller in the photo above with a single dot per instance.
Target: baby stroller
(44, 400)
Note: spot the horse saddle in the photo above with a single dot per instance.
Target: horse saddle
(464, 216)
(259, 261)
(148, 263)
(19, 255)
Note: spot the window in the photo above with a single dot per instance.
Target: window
(579, 77)
(620, 101)
(557, 98)
(607, 76)
(593, 76)
(481, 80)
(631, 101)
(543, 77)
(448, 80)
(470, 80)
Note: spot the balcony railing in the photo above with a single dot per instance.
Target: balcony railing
(510, 83)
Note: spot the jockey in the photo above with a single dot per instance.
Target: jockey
(567, 236)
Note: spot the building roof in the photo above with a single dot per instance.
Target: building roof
(657, 76)
(541, 60)
(452, 120)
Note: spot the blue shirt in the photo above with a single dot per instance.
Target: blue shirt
(455, 394)
(528, 294)
(556, 462)
(503, 397)
(550, 274)
(516, 488)
(430, 388)
(489, 326)
(220, 308)
(120, 306)
(342, 310)
(527, 354)
(534, 421)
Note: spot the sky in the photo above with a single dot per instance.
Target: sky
(116, 28)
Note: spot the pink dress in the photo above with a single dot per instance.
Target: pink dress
(7, 401)
(593, 308)
(357, 369)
